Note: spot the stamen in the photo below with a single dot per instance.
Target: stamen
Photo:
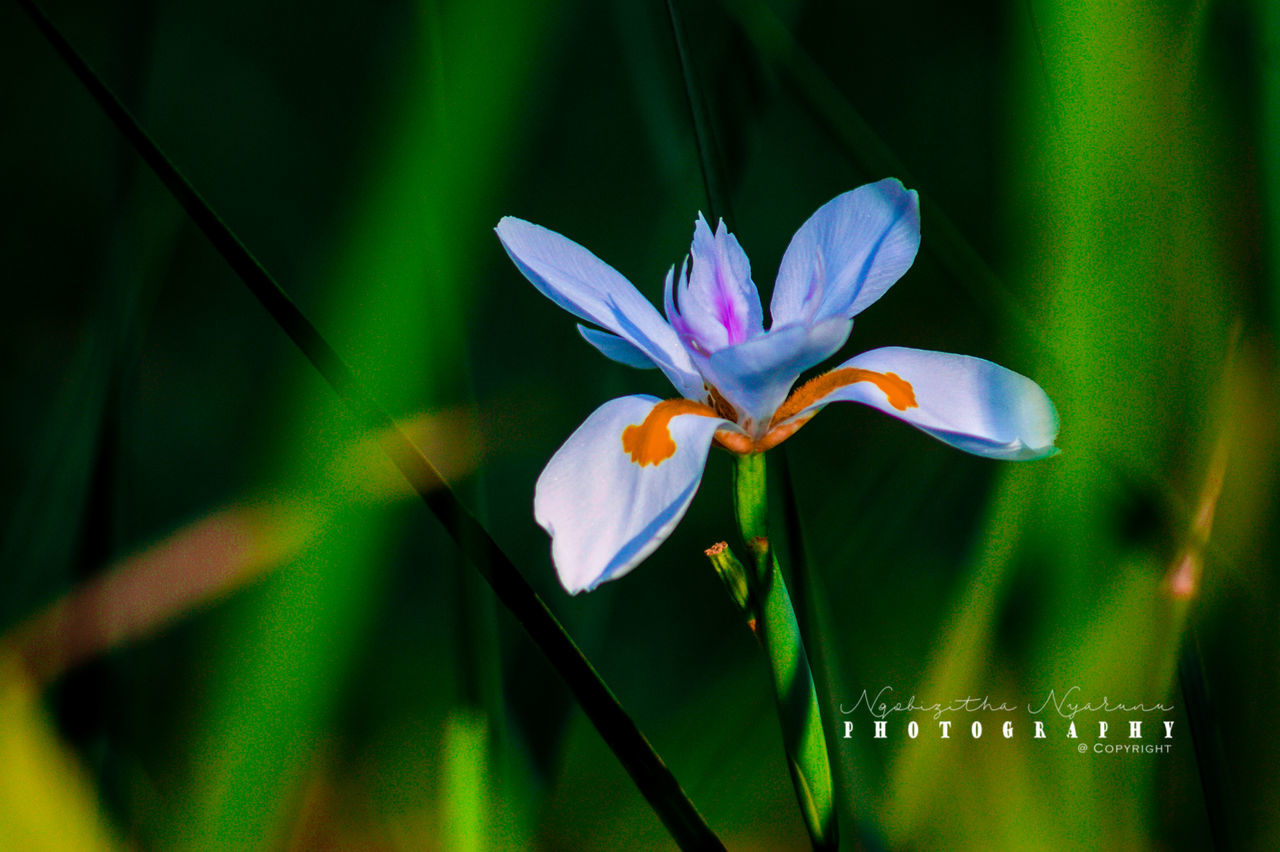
(650, 442)
(720, 404)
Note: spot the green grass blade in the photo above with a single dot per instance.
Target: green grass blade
(642, 763)
(708, 152)
(832, 110)
(1269, 106)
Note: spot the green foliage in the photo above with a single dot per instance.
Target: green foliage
(1099, 213)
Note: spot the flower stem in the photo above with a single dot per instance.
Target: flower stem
(779, 636)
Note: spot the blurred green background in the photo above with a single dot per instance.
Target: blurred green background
(298, 657)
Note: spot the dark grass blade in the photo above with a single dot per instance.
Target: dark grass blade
(708, 152)
(1038, 38)
(642, 763)
(1206, 738)
(832, 111)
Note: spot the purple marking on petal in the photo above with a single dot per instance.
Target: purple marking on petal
(717, 300)
(733, 324)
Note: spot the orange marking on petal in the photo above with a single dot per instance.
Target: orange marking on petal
(650, 442)
(897, 389)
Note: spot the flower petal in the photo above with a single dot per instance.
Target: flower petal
(590, 289)
(967, 402)
(755, 377)
(848, 253)
(610, 496)
(718, 302)
(616, 349)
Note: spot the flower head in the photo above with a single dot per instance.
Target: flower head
(615, 490)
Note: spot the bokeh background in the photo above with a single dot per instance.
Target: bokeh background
(227, 624)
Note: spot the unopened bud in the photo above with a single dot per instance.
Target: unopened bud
(732, 574)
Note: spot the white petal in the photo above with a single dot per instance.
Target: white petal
(616, 349)
(967, 402)
(606, 512)
(587, 287)
(848, 253)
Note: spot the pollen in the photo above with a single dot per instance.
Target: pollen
(650, 442)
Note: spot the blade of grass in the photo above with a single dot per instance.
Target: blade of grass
(1182, 585)
(47, 798)
(832, 110)
(1206, 739)
(642, 763)
(704, 134)
(211, 557)
(964, 643)
(85, 514)
(1128, 83)
(943, 239)
(1268, 47)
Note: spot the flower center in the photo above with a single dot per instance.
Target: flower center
(650, 442)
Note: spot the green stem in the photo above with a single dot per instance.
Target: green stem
(750, 497)
(779, 636)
